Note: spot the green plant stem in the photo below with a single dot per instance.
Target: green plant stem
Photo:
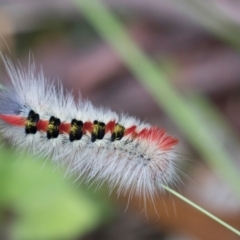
(232, 229)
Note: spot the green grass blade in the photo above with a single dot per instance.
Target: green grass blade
(232, 229)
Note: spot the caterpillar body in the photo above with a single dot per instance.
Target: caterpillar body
(96, 143)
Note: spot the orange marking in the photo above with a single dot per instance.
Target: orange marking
(13, 120)
(64, 128)
(110, 126)
(87, 127)
(42, 125)
(131, 131)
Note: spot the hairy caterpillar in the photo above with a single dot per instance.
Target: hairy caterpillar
(97, 143)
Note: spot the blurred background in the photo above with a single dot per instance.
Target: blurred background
(196, 46)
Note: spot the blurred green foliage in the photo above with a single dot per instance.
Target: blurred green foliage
(37, 202)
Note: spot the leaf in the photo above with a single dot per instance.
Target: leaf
(44, 205)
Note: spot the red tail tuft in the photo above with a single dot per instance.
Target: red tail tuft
(166, 142)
